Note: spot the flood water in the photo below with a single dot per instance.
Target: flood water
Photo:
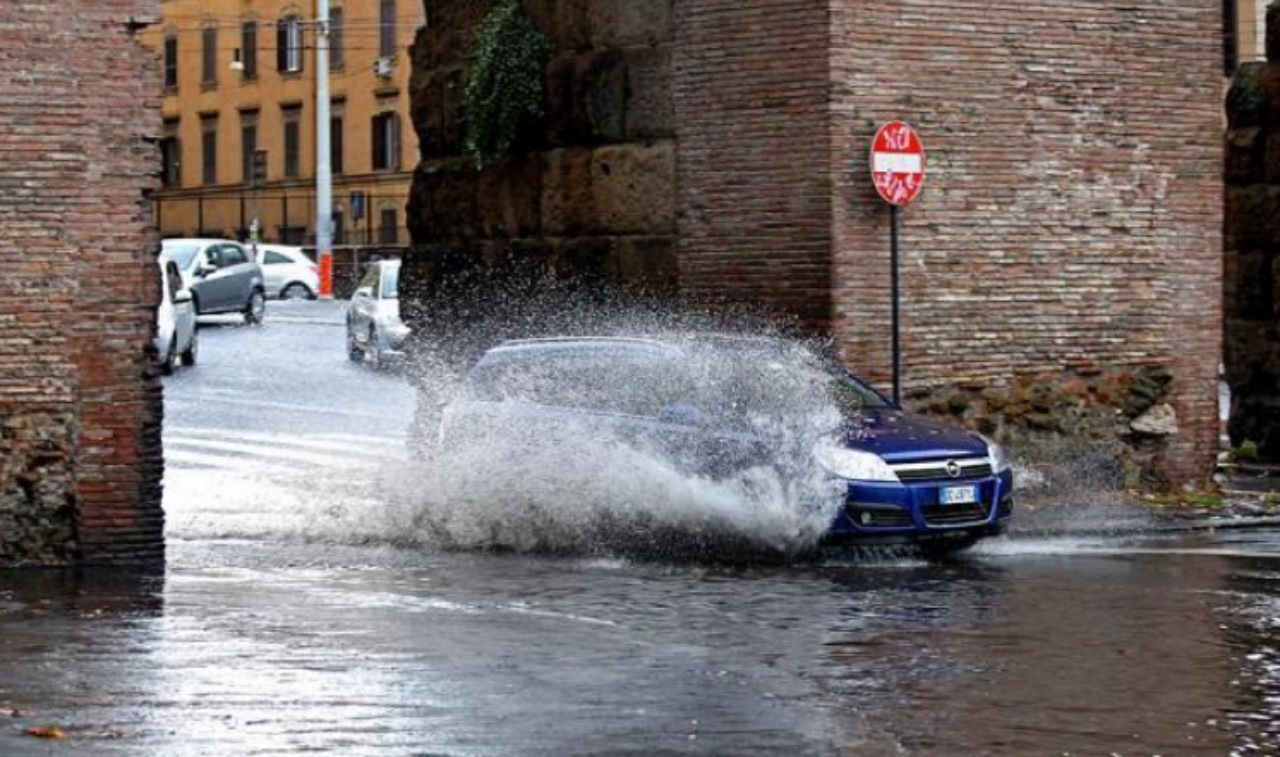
(1027, 647)
(300, 614)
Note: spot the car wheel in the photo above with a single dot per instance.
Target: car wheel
(255, 308)
(354, 353)
(170, 363)
(374, 350)
(297, 291)
(192, 351)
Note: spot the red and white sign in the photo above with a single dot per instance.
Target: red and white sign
(897, 163)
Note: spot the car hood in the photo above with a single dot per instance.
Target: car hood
(901, 437)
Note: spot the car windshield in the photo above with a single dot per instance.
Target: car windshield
(182, 254)
(391, 282)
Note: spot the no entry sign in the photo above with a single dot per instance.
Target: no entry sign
(897, 163)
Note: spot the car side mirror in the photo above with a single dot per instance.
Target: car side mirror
(204, 269)
(682, 413)
(182, 296)
(364, 292)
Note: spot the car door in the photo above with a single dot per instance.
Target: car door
(275, 270)
(238, 270)
(364, 302)
(184, 320)
(209, 288)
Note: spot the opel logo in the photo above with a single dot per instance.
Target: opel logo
(953, 469)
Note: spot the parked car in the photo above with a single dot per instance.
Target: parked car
(222, 275)
(718, 405)
(287, 272)
(375, 332)
(177, 337)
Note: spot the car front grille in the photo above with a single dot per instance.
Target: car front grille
(954, 515)
(937, 470)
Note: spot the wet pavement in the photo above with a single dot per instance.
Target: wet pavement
(294, 618)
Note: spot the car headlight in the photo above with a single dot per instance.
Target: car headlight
(999, 458)
(854, 464)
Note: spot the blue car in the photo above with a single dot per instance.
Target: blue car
(719, 404)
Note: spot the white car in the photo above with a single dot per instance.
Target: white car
(374, 330)
(177, 337)
(287, 272)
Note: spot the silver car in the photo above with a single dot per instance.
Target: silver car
(287, 272)
(222, 275)
(176, 335)
(375, 332)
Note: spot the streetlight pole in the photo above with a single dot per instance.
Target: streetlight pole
(324, 168)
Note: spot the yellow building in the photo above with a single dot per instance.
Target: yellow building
(240, 110)
(1245, 22)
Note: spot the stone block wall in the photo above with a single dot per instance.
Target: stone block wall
(1252, 258)
(595, 194)
(80, 411)
(1070, 225)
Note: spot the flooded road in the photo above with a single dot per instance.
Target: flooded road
(292, 619)
(1028, 648)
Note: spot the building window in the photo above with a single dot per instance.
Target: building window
(209, 56)
(171, 62)
(1230, 37)
(209, 148)
(335, 144)
(337, 37)
(388, 227)
(339, 227)
(387, 28)
(292, 141)
(386, 142)
(248, 145)
(289, 45)
(170, 155)
(293, 235)
(249, 50)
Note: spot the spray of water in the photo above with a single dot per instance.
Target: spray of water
(674, 445)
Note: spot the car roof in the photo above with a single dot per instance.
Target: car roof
(198, 240)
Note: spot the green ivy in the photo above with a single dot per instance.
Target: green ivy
(505, 83)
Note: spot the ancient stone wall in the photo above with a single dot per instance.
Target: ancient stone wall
(595, 195)
(1070, 225)
(1253, 249)
(80, 463)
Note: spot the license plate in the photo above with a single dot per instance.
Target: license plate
(959, 495)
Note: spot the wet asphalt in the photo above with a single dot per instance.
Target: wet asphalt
(301, 612)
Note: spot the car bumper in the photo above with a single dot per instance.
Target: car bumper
(887, 513)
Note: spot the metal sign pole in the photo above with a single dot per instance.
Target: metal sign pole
(894, 234)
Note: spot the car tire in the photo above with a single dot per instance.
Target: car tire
(297, 291)
(354, 353)
(255, 308)
(192, 351)
(170, 362)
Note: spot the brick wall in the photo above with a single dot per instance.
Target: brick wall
(80, 413)
(1071, 221)
(751, 91)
